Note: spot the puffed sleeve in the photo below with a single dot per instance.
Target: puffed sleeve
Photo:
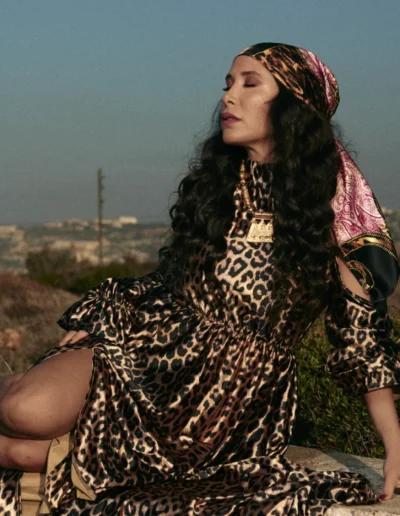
(108, 310)
(364, 357)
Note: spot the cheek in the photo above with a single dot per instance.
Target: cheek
(257, 111)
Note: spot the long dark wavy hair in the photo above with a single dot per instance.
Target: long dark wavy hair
(304, 182)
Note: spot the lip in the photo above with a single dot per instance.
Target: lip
(229, 122)
(227, 119)
(226, 115)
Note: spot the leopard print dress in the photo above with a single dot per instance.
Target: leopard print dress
(192, 400)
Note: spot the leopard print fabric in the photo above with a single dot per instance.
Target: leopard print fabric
(364, 358)
(192, 398)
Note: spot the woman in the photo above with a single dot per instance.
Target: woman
(181, 394)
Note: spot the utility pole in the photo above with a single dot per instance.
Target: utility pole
(100, 202)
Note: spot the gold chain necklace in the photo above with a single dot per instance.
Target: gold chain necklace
(261, 226)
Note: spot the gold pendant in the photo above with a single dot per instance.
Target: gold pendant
(261, 228)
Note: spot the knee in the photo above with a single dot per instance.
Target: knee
(15, 414)
(29, 456)
(47, 401)
(30, 416)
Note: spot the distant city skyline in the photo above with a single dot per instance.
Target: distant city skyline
(128, 86)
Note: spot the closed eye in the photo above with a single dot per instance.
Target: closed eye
(245, 85)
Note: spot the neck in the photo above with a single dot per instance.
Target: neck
(265, 157)
(262, 154)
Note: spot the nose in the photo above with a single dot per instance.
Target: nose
(228, 98)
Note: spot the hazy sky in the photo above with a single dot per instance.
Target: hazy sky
(126, 85)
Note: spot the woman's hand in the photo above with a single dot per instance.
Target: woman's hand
(382, 409)
(391, 471)
(73, 336)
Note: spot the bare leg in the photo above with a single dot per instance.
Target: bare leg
(7, 381)
(46, 401)
(23, 454)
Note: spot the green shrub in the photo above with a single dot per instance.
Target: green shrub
(326, 417)
(48, 263)
(93, 276)
(60, 269)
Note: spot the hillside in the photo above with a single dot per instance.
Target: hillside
(28, 315)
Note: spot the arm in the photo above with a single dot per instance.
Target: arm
(374, 371)
(109, 310)
(384, 417)
(380, 402)
(382, 410)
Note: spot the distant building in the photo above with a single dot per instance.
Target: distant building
(127, 220)
(52, 224)
(83, 250)
(77, 245)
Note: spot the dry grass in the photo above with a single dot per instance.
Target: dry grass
(32, 310)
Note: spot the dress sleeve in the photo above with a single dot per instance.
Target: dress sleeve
(109, 310)
(364, 357)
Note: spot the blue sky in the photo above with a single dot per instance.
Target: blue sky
(128, 85)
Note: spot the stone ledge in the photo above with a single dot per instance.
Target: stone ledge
(330, 460)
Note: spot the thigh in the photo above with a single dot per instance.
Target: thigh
(47, 400)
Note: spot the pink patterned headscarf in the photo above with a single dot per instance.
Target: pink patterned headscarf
(360, 228)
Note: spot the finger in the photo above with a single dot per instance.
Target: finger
(66, 338)
(390, 483)
(79, 335)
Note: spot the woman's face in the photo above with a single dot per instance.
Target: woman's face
(251, 89)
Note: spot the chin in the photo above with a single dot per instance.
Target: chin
(231, 139)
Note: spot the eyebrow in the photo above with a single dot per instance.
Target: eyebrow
(250, 72)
